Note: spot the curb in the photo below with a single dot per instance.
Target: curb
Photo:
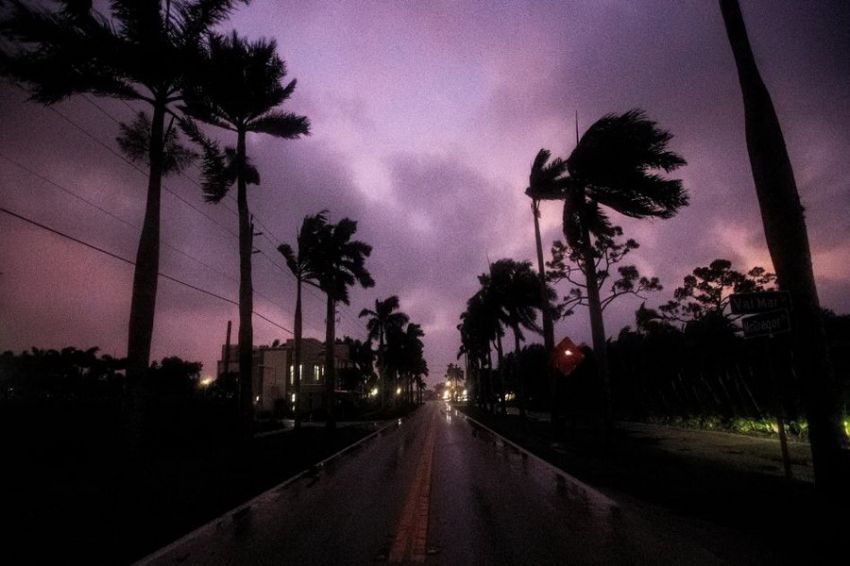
(213, 523)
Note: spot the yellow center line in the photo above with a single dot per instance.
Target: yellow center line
(412, 534)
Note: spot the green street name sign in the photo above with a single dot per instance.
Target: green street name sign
(753, 303)
(766, 324)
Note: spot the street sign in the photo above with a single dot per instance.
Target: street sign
(766, 324)
(567, 356)
(753, 303)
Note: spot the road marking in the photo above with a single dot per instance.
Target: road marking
(412, 534)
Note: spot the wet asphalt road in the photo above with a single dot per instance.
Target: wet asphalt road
(435, 489)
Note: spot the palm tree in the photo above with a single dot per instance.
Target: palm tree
(239, 88)
(514, 291)
(481, 327)
(788, 243)
(342, 266)
(305, 265)
(615, 164)
(143, 52)
(544, 182)
(382, 320)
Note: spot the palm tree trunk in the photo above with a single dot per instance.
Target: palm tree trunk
(517, 375)
(330, 367)
(489, 396)
(788, 243)
(145, 279)
(382, 376)
(548, 323)
(246, 294)
(597, 329)
(501, 358)
(297, 354)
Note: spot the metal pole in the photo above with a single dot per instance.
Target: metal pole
(780, 412)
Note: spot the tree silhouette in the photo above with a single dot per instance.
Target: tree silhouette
(305, 264)
(705, 293)
(141, 51)
(404, 355)
(788, 243)
(544, 182)
(568, 263)
(479, 327)
(381, 321)
(238, 87)
(513, 290)
(342, 266)
(615, 165)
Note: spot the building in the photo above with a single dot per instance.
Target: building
(273, 372)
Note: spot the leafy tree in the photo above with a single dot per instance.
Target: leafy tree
(788, 242)
(705, 293)
(239, 88)
(615, 164)
(305, 264)
(567, 264)
(342, 266)
(141, 51)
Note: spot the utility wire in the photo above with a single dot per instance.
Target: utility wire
(130, 262)
(71, 193)
(343, 310)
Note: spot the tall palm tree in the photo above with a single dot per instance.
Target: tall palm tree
(141, 51)
(239, 88)
(342, 266)
(544, 182)
(788, 242)
(615, 164)
(305, 265)
(381, 321)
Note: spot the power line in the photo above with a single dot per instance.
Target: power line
(343, 310)
(71, 193)
(130, 262)
(140, 170)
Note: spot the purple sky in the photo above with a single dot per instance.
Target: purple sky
(426, 116)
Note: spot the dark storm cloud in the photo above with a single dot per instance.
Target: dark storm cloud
(426, 117)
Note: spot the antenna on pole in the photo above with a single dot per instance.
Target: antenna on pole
(576, 127)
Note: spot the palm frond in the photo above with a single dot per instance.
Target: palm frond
(280, 124)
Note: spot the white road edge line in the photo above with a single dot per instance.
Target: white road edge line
(596, 493)
(157, 554)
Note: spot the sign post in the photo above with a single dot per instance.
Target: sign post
(769, 316)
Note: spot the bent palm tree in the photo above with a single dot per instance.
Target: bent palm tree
(545, 182)
(788, 242)
(385, 318)
(142, 51)
(239, 89)
(305, 265)
(615, 165)
(342, 266)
